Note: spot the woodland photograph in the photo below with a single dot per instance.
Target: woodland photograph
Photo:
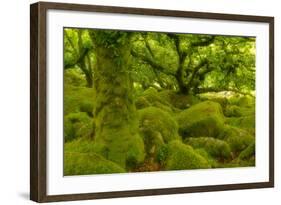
(142, 101)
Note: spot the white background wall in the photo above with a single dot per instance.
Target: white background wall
(14, 101)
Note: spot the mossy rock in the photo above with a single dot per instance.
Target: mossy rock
(242, 101)
(80, 145)
(142, 102)
(157, 124)
(88, 163)
(238, 139)
(178, 100)
(248, 153)
(74, 77)
(245, 122)
(203, 119)
(183, 157)
(77, 99)
(77, 125)
(87, 107)
(216, 148)
(237, 111)
(211, 160)
(233, 111)
(215, 97)
(151, 97)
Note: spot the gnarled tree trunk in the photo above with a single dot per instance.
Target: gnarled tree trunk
(115, 114)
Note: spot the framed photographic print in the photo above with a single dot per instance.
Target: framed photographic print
(134, 102)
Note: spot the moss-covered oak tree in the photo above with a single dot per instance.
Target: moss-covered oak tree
(116, 122)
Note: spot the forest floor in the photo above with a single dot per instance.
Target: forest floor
(180, 132)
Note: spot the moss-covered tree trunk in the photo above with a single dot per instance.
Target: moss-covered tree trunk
(116, 122)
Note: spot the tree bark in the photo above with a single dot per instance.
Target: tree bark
(115, 114)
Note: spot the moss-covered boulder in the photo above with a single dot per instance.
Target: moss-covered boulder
(78, 99)
(215, 97)
(202, 119)
(248, 153)
(151, 97)
(246, 158)
(74, 77)
(213, 162)
(77, 125)
(242, 101)
(233, 111)
(238, 139)
(178, 100)
(87, 107)
(157, 125)
(88, 163)
(180, 156)
(216, 148)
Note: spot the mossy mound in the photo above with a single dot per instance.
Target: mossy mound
(151, 97)
(248, 153)
(77, 125)
(246, 122)
(216, 148)
(236, 111)
(88, 163)
(178, 100)
(81, 145)
(233, 111)
(78, 99)
(157, 124)
(238, 139)
(182, 157)
(211, 160)
(242, 101)
(203, 119)
(74, 77)
(221, 99)
(87, 107)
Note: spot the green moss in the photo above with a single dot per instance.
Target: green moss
(246, 122)
(215, 147)
(242, 101)
(80, 145)
(248, 153)
(181, 157)
(121, 147)
(158, 125)
(233, 111)
(162, 154)
(75, 99)
(151, 97)
(202, 119)
(87, 107)
(178, 100)
(115, 115)
(238, 139)
(211, 161)
(77, 125)
(142, 102)
(221, 99)
(74, 77)
(88, 163)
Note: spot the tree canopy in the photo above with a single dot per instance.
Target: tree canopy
(187, 63)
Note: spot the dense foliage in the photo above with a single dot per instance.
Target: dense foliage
(148, 101)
